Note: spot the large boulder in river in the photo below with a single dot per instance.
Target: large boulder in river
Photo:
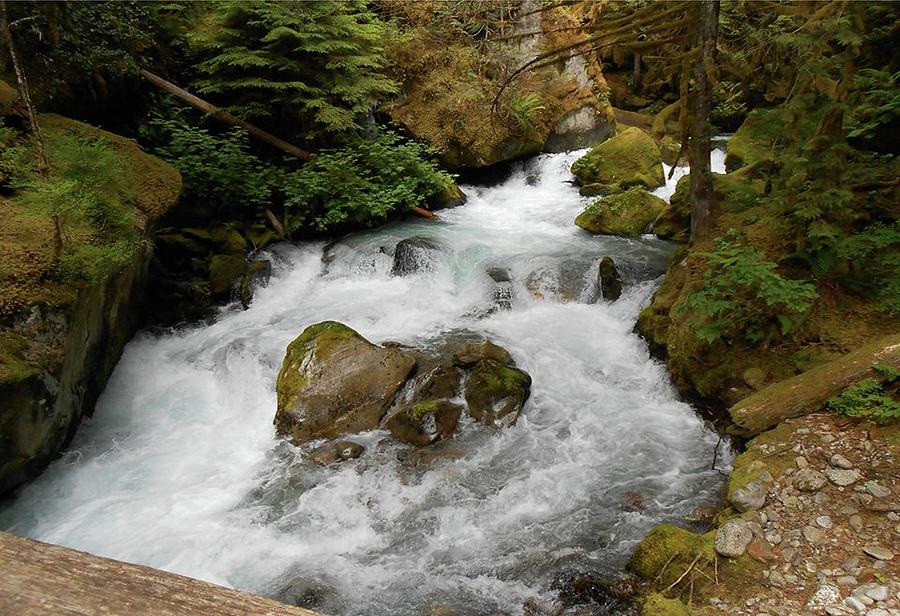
(334, 381)
(631, 158)
(415, 254)
(626, 214)
(496, 393)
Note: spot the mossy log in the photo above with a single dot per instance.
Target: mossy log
(40, 579)
(807, 393)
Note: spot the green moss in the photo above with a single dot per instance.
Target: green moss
(13, 365)
(758, 139)
(224, 270)
(658, 605)
(499, 380)
(318, 338)
(667, 551)
(631, 158)
(421, 409)
(626, 214)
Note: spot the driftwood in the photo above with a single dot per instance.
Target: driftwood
(40, 579)
(807, 393)
(224, 116)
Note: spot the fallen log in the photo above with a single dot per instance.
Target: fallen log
(420, 211)
(807, 393)
(40, 579)
(224, 116)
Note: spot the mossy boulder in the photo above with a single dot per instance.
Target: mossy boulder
(757, 139)
(657, 605)
(334, 381)
(452, 196)
(424, 423)
(496, 393)
(736, 192)
(631, 158)
(626, 214)
(667, 551)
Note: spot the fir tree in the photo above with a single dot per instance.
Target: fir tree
(311, 67)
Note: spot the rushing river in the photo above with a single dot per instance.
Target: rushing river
(180, 467)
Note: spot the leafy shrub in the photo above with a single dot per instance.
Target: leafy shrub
(879, 103)
(744, 297)
(870, 398)
(363, 184)
(217, 169)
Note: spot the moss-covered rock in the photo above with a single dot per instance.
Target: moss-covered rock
(424, 423)
(736, 192)
(496, 393)
(667, 551)
(60, 337)
(757, 139)
(657, 605)
(470, 353)
(626, 214)
(631, 158)
(453, 196)
(334, 381)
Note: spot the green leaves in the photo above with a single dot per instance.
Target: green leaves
(744, 297)
(363, 184)
(870, 398)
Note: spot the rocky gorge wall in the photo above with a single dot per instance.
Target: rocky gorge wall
(60, 342)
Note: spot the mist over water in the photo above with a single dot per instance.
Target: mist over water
(180, 467)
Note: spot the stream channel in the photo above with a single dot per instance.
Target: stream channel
(180, 467)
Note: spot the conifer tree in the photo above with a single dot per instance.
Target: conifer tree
(312, 67)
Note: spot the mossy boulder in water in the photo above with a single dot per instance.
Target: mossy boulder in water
(626, 214)
(496, 392)
(474, 351)
(334, 381)
(631, 158)
(425, 422)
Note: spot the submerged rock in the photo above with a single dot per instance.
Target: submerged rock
(496, 392)
(334, 381)
(626, 214)
(610, 280)
(631, 158)
(415, 254)
(336, 451)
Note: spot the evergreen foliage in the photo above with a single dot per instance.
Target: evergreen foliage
(313, 67)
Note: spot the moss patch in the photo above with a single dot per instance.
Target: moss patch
(657, 605)
(668, 551)
(631, 158)
(626, 214)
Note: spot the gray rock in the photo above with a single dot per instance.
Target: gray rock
(877, 490)
(733, 537)
(856, 604)
(813, 534)
(750, 497)
(809, 480)
(824, 521)
(610, 281)
(415, 254)
(876, 592)
(839, 461)
(878, 552)
(856, 523)
(843, 477)
(825, 595)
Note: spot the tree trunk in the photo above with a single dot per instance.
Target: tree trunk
(636, 74)
(24, 92)
(224, 116)
(704, 208)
